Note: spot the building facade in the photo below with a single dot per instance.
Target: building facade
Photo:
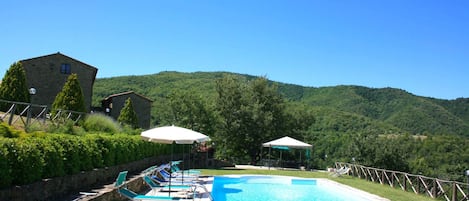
(113, 104)
(48, 74)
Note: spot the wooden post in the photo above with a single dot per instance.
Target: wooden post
(454, 196)
(419, 181)
(12, 114)
(392, 179)
(434, 192)
(382, 176)
(405, 182)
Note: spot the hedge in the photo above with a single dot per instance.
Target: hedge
(28, 159)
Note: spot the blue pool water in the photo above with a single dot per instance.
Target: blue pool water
(277, 188)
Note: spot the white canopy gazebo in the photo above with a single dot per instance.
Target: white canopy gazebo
(286, 143)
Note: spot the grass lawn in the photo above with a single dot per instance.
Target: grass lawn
(394, 194)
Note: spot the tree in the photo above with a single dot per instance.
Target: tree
(251, 113)
(128, 116)
(71, 97)
(191, 111)
(229, 102)
(13, 86)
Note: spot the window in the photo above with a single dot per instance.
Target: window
(65, 69)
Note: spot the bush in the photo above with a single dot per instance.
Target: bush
(68, 127)
(28, 159)
(5, 167)
(53, 153)
(8, 131)
(99, 122)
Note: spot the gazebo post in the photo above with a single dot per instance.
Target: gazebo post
(270, 150)
(301, 162)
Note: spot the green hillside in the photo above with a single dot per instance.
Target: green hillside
(412, 114)
(339, 108)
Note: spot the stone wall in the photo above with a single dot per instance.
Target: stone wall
(64, 188)
(135, 184)
(100, 181)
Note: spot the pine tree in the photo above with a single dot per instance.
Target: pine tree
(128, 115)
(71, 97)
(13, 86)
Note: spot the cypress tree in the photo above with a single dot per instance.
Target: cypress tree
(71, 97)
(128, 115)
(13, 86)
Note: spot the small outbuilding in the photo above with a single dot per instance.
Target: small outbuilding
(113, 104)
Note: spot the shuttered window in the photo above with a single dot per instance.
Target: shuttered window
(65, 69)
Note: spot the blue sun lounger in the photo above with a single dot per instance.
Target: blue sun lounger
(164, 186)
(123, 190)
(134, 196)
(175, 168)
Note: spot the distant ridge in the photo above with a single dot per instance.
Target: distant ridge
(343, 108)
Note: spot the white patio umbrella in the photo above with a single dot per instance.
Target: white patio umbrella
(173, 135)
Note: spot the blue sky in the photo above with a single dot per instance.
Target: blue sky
(421, 46)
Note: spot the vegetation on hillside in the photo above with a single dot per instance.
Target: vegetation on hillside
(385, 128)
(251, 113)
(388, 106)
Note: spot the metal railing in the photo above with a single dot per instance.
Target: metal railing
(433, 187)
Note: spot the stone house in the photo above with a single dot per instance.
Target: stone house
(48, 74)
(113, 104)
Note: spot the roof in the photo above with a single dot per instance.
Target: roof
(60, 54)
(94, 69)
(126, 93)
(287, 142)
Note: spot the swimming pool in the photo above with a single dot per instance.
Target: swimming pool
(280, 188)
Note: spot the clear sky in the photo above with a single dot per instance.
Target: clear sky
(421, 46)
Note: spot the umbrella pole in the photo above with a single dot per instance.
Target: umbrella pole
(170, 169)
(183, 163)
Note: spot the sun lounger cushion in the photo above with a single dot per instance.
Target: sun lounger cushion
(134, 196)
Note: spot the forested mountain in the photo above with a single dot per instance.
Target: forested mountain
(384, 128)
(338, 109)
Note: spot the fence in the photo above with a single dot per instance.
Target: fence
(31, 113)
(433, 187)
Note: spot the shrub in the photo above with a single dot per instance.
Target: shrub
(28, 159)
(5, 168)
(66, 128)
(13, 86)
(8, 131)
(34, 127)
(53, 153)
(71, 97)
(128, 116)
(25, 161)
(99, 122)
